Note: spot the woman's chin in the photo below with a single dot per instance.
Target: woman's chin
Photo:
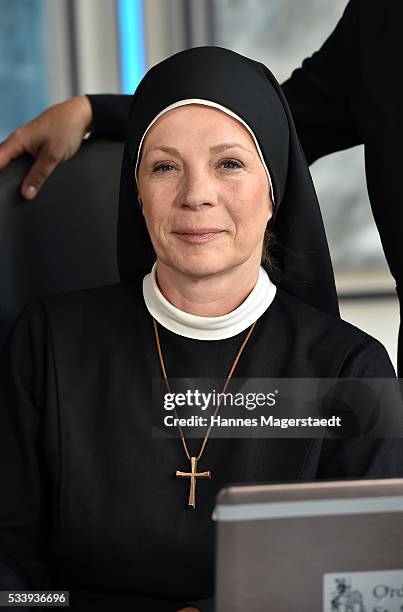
(201, 266)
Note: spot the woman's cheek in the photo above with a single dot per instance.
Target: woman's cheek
(240, 211)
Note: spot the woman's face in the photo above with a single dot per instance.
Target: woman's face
(204, 191)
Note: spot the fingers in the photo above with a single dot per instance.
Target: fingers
(40, 170)
(52, 137)
(46, 161)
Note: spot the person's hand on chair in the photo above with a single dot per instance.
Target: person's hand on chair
(51, 138)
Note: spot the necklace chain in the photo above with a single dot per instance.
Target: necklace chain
(164, 373)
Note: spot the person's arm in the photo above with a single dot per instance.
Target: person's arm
(57, 134)
(110, 113)
(320, 93)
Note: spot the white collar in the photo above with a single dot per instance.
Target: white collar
(208, 328)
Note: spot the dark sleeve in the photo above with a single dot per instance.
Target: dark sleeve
(320, 92)
(27, 482)
(110, 114)
(369, 456)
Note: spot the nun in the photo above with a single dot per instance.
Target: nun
(225, 271)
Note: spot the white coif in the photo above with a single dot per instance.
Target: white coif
(208, 328)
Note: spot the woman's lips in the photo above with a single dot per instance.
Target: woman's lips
(199, 235)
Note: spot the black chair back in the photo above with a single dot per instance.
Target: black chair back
(64, 239)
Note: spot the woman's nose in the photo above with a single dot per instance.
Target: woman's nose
(197, 190)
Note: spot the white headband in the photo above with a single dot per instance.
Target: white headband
(214, 105)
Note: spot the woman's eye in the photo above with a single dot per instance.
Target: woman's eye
(163, 168)
(230, 164)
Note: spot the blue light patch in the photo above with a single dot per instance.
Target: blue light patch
(131, 42)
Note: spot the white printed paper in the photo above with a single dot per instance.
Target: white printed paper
(379, 591)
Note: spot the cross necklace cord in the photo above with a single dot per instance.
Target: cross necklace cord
(194, 474)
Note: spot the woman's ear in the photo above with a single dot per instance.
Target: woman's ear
(140, 203)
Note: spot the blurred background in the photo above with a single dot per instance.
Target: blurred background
(53, 49)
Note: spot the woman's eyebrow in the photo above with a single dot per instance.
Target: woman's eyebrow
(227, 145)
(166, 149)
(215, 149)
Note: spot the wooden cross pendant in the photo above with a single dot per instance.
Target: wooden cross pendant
(193, 475)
